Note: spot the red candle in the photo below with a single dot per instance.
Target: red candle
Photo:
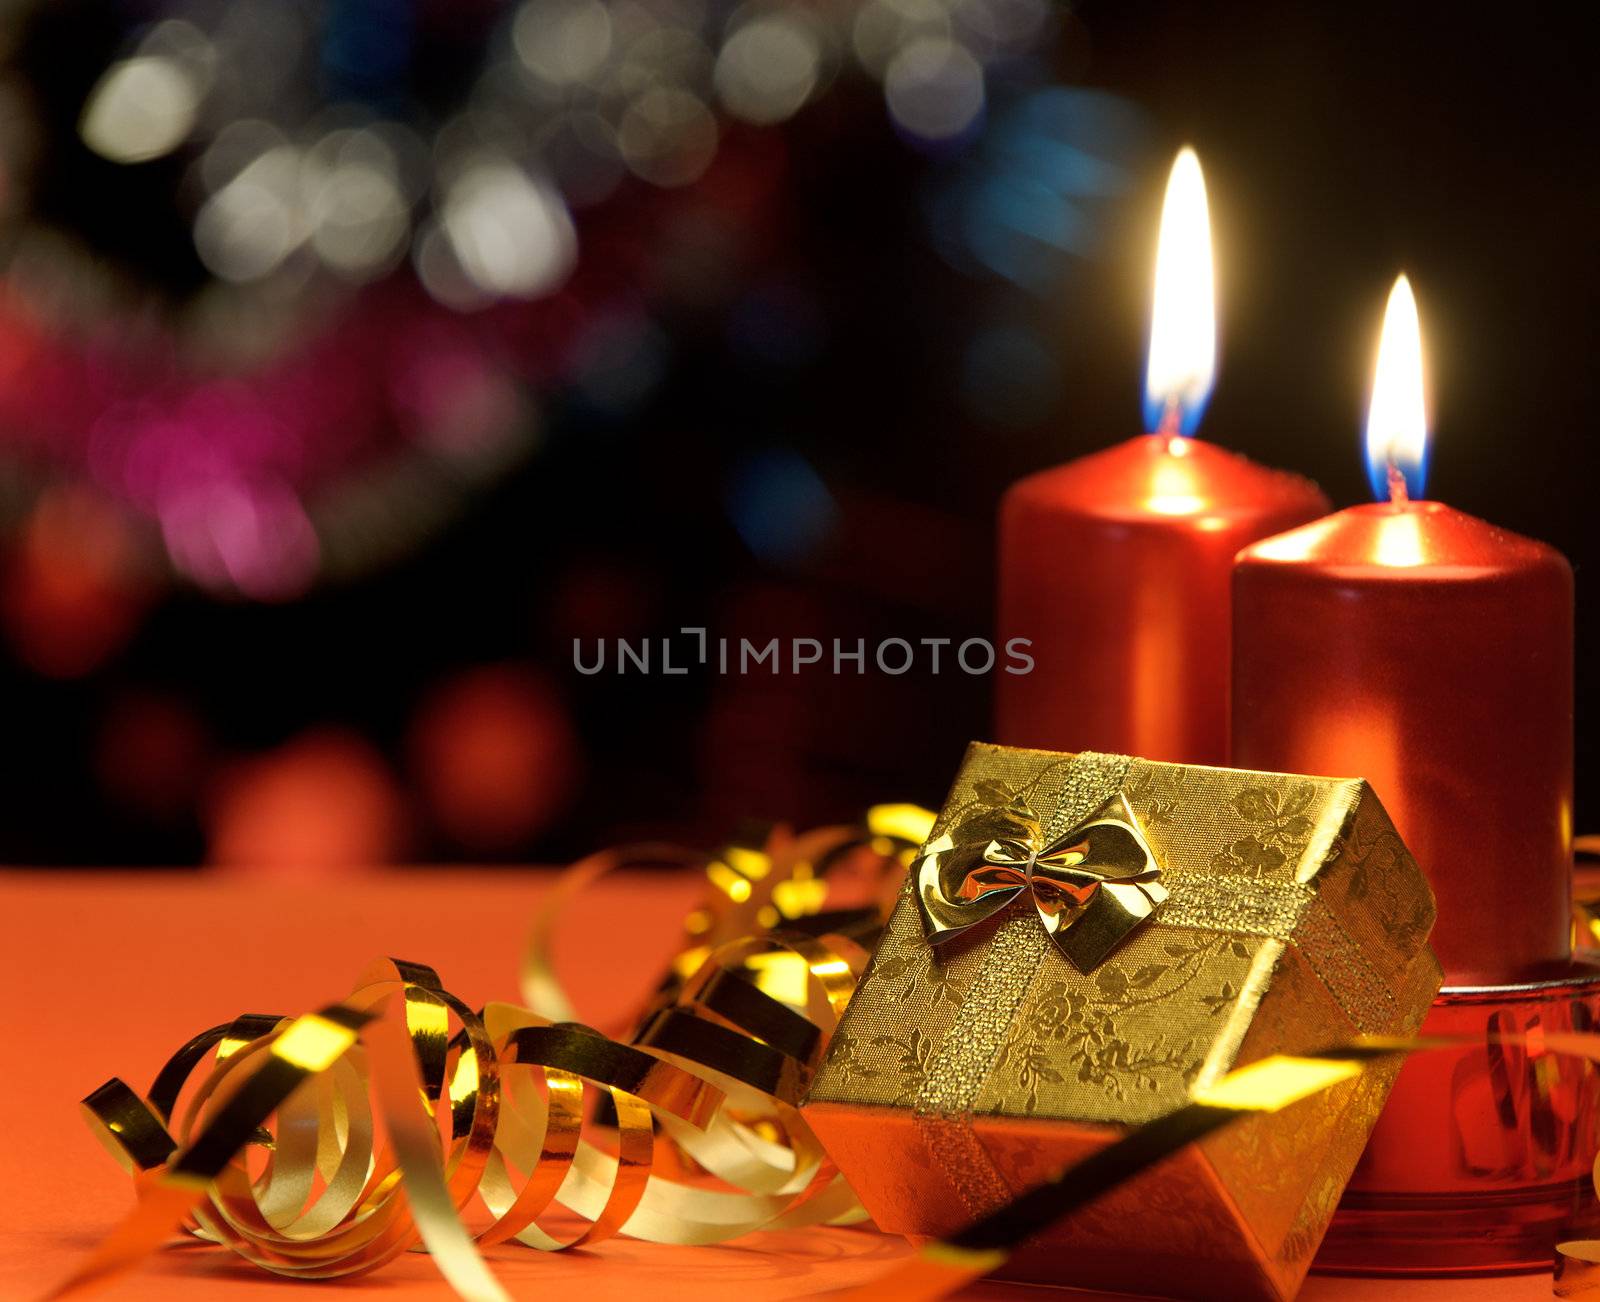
(1115, 567)
(1431, 653)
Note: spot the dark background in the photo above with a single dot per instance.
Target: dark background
(834, 330)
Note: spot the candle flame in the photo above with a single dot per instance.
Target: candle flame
(1183, 330)
(1397, 420)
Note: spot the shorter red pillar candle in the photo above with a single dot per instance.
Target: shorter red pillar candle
(1430, 653)
(1116, 568)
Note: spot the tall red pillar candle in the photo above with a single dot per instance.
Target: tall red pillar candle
(1115, 567)
(1431, 653)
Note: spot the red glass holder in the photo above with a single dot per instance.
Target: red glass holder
(1481, 1161)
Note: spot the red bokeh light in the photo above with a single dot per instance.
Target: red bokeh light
(71, 597)
(151, 754)
(324, 801)
(495, 757)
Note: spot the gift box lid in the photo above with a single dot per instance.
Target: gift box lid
(1085, 940)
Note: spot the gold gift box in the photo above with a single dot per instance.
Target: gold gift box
(967, 1072)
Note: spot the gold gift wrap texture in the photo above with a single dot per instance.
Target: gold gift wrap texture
(964, 1075)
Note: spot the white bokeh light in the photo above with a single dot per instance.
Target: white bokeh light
(511, 235)
(768, 69)
(934, 88)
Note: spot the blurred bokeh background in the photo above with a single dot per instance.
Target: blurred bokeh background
(356, 357)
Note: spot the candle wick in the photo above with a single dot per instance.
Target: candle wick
(1171, 420)
(1397, 486)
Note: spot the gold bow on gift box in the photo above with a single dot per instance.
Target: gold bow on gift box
(1092, 887)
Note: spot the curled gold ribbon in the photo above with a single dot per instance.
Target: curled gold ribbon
(830, 878)
(275, 1152)
(328, 1144)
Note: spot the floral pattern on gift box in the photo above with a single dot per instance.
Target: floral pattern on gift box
(922, 968)
(1067, 1031)
(844, 1057)
(915, 1055)
(1156, 794)
(1281, 830)
(1379, 862)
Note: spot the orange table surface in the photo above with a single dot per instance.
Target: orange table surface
(117, 969)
